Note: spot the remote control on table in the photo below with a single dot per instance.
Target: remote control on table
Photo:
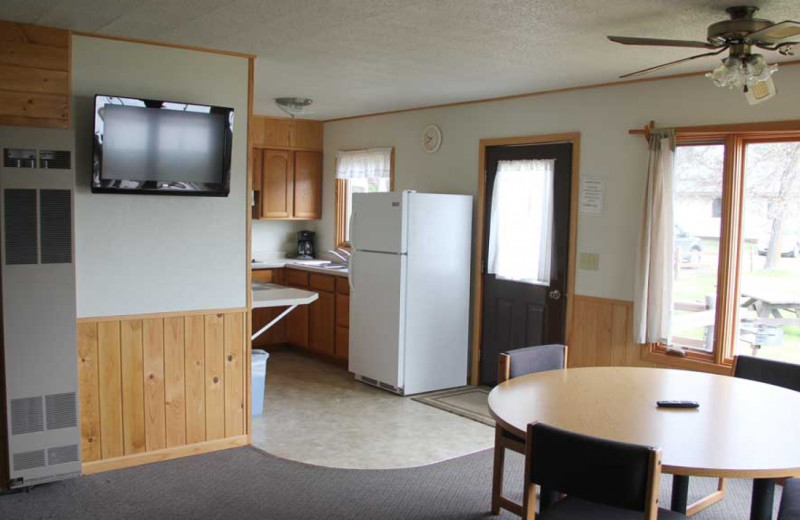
(678, 404)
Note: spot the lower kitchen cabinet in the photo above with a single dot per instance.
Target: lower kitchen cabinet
(297, 320)
(277, 333)
(321, 327)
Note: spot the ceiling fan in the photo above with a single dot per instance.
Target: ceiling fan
(742, 69)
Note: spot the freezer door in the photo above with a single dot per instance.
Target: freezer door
(378, 222)
(377, 316)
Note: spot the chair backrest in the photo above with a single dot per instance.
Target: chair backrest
(768, 371)
(613, 473)
(528, 360)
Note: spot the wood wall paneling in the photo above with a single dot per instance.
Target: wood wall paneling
(89, 391)
(110, 359)
(195, 379)
(174, 381)
(132, 386)
(234, 375)
(602, 334)
(157, 387)
(215, 375)
(154, 396)
(34, 76)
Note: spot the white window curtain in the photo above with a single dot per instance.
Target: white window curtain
(521, 225)
(364, 164)
(652, 305)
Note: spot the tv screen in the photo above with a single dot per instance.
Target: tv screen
(161, 147)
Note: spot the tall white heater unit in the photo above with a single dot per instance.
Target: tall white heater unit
(38, 283)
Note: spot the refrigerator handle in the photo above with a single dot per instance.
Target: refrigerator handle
(352, 227)
(350, 273)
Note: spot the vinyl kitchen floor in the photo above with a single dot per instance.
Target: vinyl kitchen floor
(316, 413)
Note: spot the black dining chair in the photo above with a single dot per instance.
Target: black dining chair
(778, 373)
(767, 371)
(602, 479)
(790, 500)
(515, 363)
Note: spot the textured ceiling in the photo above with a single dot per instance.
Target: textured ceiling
(363, 56)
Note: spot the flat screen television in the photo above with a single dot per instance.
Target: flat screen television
(151, 146)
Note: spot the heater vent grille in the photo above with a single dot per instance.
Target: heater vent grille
(27, 415)
(61, 411)
(19, 158)
(55, 159)
(62, 454)
(20, 227)
(28, 460)
(55, 213)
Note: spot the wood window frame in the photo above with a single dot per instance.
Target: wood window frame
(735, 137)
(340, 203)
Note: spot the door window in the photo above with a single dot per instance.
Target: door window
(521, 222)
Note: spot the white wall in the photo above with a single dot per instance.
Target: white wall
(148, 253)
(273, 237)
(602, 116)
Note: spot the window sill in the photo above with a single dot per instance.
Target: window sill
(657, 354)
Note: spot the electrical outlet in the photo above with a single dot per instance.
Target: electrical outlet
(589, 261)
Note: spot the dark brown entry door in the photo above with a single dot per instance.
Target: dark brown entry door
(518, 314)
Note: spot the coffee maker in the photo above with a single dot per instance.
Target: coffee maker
(305, 245)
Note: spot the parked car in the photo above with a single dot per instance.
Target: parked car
(789, 245)
(690, 246)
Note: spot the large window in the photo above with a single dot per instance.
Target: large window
(736, 262)
(360, 171)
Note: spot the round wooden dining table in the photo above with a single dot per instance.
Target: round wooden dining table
(742, 428)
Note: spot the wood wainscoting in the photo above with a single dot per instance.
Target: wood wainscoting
(601, 334)
(159, 386)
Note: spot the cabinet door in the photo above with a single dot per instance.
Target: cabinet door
(307, 134)
(343, 310)
(342, 342)
(308, 185)
(276, 334)
(297, 320)
(321, 324)
(277, 184)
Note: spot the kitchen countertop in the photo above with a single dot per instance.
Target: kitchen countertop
(296, 264)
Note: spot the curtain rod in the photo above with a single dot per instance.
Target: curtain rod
(777, 127)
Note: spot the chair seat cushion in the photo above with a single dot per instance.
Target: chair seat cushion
(577, 509)
(790, 500)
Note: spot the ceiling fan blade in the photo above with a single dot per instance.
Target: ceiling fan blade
(776, 32)
(671, 63)
(628, 40)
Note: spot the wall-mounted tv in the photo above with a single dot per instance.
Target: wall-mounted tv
(151, 146)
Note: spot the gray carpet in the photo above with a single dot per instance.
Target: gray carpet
(246, 483)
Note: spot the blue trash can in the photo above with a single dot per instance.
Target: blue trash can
(258, 379)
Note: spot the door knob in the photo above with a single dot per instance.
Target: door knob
(555, 294)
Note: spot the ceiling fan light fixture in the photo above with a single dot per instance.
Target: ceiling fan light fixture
(738, 72)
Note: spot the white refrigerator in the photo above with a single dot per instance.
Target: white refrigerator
(409, 290)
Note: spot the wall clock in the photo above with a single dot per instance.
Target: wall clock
(431, 138)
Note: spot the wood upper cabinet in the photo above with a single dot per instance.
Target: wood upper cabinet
(308, 185)
(277, 184)
(290, 184)
(278, 132)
